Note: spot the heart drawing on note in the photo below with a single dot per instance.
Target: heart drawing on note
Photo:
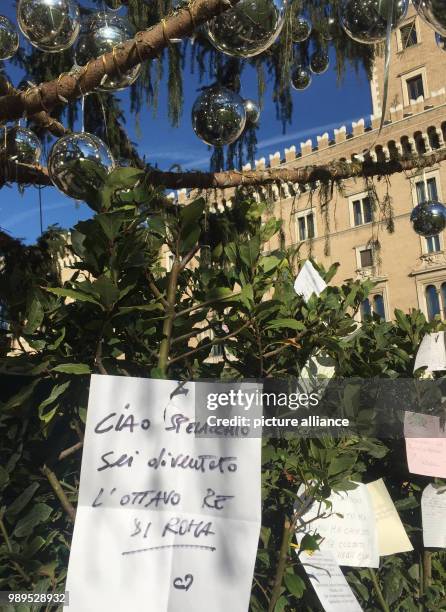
(184, 583)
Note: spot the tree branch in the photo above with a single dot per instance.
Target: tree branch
(145, 46)
(304, 175)
(43, 119)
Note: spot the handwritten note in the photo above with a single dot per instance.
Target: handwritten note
(348, 527)
(309, 281)
(317, 373)
(329, 582)
(425, 444)
(392, 537)
(165, 519)
(433, 511)
(432, 353)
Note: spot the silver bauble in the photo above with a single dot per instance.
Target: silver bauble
(79, 163)
(329, 28)
(428, 218)
(218, 116)
(301, 77)
(113, 5)
(441, 41)
(433, 12)
(252, 111)
(249, 28)
(49, 25)
(9, 38)
(366, 20)
(100, 33)
(319, 62)
(22, 145)
(300, 29)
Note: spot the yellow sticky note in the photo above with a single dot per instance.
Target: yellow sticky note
(392, 537)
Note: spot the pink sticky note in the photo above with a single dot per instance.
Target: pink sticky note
(425, 444)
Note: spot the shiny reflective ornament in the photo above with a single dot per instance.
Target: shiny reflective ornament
(301, 29)
(329, 28)
(319, 62)
(366, 20)
(100, 33)
(249, 28)
(428, 218)
(433, 12)
(252, 111)
(79, 163)
(49, 25)
(9, 38)
(301, 77)
(441, 41)
(22, 145)
(114, 5)
(218, 116)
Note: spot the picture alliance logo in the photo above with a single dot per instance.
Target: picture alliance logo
(247, 400)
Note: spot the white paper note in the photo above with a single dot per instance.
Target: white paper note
(431, 353)
(351, 537)
(174, 524)
(317, 373)
(433, 511)
(329, 582)
(425, 444)
(392, 537)
(309, 281)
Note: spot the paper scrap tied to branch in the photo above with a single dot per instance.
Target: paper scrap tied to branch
(425, 444)
(309, 281)
(329, 582)
(432, 353)
(392, 537)
(433, 511)
(348, 527)
(165, 520)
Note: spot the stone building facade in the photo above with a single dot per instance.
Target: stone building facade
(410, 271)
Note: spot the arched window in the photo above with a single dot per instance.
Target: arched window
(378, 306)
(366, 309)
(443, 297)
(432, 301)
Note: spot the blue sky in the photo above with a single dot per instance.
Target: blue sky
(322, 107)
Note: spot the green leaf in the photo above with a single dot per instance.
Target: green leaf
(110, 223)
(107, 291)
(295, 585)
(39, 513)
(55, 393)
(22, 500)
(309, 542)
(72, 368)
(71, 293)
(4, 477)
(34, 317)
(341, 463)
(249, 253)
(281, 604)
(20, 398)
(191, 214)
(286, 323)
(269, 263)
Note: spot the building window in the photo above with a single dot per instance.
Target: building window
(432, 191)
(433, 301)
(366, 258)
(378, 306)
(373, 305)
(409, 36)
(362, 211)
(415, 87)
(305, 224)
(432, 244)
